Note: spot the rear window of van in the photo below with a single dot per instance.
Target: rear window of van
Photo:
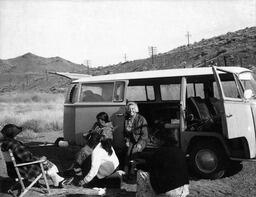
(102, 92)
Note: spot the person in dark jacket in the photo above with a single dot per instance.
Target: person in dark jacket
(168, 172)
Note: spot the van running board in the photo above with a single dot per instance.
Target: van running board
(240, 159)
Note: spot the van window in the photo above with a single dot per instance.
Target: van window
(136, 93)
(215, 90)
(140, 93)
(230, 88)
(71, 96)
(195, 89)
(100, 92)
(119, 91)
(248, 81)
(150, 93)
(170, 92)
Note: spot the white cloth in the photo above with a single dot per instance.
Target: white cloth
(102, 164)
(53, 174)
(182, 191)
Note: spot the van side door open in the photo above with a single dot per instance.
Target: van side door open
(237, 117)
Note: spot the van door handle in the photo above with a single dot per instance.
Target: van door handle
(119, 115)
(229, 115)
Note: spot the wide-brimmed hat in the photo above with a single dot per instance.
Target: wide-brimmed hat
(11, 130)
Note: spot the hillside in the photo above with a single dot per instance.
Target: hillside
(232, 49)
(30, 72)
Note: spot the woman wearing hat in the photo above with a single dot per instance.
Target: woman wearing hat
(23, 155)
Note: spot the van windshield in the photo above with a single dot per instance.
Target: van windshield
(248, 81)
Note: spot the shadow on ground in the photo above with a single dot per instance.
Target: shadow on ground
(62, 157)
(5, 184)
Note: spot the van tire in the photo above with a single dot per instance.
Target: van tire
(208, 160)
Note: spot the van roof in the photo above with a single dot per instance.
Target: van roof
(159, 74)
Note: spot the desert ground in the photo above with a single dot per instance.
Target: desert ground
(242, 183)
(42, 123)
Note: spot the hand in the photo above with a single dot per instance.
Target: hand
(127, 143)
(81, 183)
(138, 147)
(43, 158)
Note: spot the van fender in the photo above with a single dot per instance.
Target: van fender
(207, 154)
(188, 139)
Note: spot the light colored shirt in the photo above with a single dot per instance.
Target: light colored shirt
(102, 164)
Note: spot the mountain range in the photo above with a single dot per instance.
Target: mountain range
(30, 72)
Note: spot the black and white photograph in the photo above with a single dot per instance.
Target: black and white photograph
(128, 98)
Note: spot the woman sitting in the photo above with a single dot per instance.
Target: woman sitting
(102, 126)
(100, 164)
(136, 134)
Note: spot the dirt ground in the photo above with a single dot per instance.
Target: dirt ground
(243, 183)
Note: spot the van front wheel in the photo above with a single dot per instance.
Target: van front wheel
(207, 160)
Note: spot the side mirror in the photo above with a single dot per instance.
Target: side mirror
(248, 94)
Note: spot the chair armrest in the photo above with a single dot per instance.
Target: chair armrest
(30, 163)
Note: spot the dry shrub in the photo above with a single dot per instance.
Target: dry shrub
(29, 97)
(8, 120)
(39, 114)
(27, 134)
(32, 124)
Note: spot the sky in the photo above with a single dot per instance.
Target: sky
(107, 32)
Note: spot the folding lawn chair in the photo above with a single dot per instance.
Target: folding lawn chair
(20, 181)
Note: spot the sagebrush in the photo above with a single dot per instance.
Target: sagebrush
(35, 112)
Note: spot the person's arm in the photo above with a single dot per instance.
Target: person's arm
(126, 135)
(142, 123)
(95, 125)
(95, 165)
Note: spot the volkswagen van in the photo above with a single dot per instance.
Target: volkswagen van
(211, 111)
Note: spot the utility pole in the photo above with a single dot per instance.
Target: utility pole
(188, 35)
(87, 64)
(125, 58)
(225, 60)
(46, 75)
(152, 52)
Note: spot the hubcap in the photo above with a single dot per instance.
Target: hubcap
(206, 160)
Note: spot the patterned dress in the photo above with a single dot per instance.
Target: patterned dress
(22, 155)
(136, 132)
